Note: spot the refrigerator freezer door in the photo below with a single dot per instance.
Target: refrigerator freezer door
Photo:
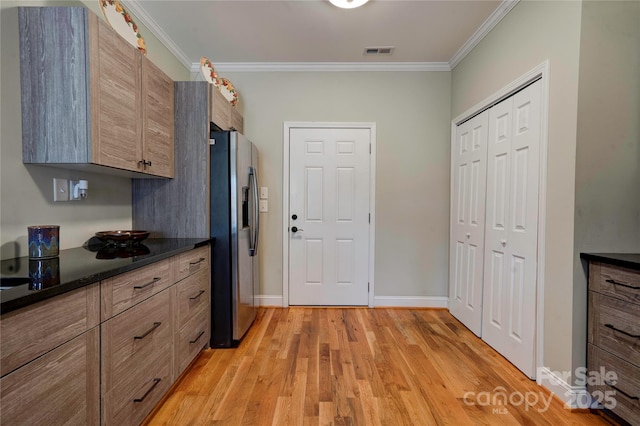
(243, 286)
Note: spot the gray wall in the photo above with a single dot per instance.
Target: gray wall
(607, 206)
(530, 34)
(411, 110)
(26, 190)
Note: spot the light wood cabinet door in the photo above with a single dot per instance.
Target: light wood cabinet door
(61, 387)
(236, 122)
(36, 329)
(116, 99)
(158, 112)
(220, 109)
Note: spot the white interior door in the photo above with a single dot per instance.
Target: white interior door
(329, 216)
(512, 227)
(467, 221)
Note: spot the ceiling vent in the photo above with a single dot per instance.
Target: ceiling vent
(385, 50)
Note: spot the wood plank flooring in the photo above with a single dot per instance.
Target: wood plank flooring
(358, 366)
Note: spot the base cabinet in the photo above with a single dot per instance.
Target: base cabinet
(613, 330)
(111, 350)
(61, 387)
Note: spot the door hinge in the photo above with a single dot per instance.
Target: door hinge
(369, 217)
(369, 148)
(368, 287)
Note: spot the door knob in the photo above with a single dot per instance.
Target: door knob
(295, 229)
(503, 242)
(294, 216)
(468, 234)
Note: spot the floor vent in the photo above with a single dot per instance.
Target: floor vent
(386, 50)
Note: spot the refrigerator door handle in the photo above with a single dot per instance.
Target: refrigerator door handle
(253, 248)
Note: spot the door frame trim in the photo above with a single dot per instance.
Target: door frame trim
(288, 125)
(540, 72)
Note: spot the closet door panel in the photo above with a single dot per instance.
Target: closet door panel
(468, 196)
(509, 294)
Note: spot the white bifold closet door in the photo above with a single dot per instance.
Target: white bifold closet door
(494, 225)
(467, 221)
(511, 233)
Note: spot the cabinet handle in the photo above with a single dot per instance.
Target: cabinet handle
(155, 325)
(197, 261)
(155, 280)
(197, 295)
(155, 383)
(614, 282)
(635, 336)
(197, 338)
(621, 391)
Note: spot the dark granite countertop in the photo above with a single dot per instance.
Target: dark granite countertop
(626, 260)
(78, 267)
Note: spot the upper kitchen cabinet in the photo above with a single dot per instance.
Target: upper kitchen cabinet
(90, 99)
(223, 114)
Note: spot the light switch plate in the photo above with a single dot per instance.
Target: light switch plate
(264, 206)
(264, 192)
(60, 190)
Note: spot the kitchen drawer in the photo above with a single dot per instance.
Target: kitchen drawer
(131, 339)
(36, 329)
(135, 396)
(621, 397)
(191, 262)
(125, 290)
(614, 326)
(191, 339)
(193, 295)
(615, 281)
(60, 387)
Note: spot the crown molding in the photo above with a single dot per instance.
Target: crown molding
(497, 15)
(135, 7)
(324, 66)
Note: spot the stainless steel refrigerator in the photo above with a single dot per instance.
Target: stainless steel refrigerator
(235, 224)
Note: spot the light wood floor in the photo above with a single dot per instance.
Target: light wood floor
(317, 366)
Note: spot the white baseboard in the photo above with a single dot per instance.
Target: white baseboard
(269, 300)
(380, 301)
(411, 302)
(572, 396)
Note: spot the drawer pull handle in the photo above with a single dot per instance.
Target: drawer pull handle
(635, 336)
(621, 391)
(197, 338)
(155, 325)
(197, 261)
(197, 296)
(155, 383)
(152, 282)
(614, 282)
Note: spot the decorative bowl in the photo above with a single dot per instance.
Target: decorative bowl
(122, 237)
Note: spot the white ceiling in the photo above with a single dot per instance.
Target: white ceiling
(250, 33)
